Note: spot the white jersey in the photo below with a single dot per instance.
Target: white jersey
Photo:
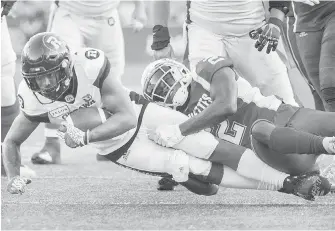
(90, 8)
(90, 69)
(229, 18)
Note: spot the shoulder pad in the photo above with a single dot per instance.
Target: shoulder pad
(207, 67)
(93, 64)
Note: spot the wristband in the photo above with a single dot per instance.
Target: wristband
(161, 37)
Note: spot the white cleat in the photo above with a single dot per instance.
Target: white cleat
(27, 172)
(329, 144)
(329, 173)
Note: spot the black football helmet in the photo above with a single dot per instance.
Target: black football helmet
(47, 66)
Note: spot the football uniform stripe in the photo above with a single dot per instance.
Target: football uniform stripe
(103, 73)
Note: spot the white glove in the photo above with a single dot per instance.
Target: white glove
(166, 135)
(73, 137)
(17, 185)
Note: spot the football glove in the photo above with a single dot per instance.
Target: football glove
(269, 34)
(73, 136)
(17, 185)
(166, 135)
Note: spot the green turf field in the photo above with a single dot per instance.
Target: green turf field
(85, 194)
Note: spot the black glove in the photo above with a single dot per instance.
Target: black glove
(267, 34)
(6, 7)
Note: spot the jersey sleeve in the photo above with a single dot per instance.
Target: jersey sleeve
(96, 65)
(29, 105)
(206, 68)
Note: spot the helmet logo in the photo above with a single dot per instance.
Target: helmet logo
(92, 54)
(69, 98)
(53, 43)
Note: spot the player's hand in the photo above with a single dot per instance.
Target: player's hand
(6, 6)
(17, 185)
(73, 136)
(166, 52)
(267, 34)
(309, 2)
(166, 135)
(138, 18)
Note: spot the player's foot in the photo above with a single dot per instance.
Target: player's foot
(329, 144)
(166, 184)
(101, 158)
(49, 154)
(307, 186)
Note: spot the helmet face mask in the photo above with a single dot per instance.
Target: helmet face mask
(166, 82)
(47, 66)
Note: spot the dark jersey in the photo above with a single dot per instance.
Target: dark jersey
(312, 18)
(251, 105)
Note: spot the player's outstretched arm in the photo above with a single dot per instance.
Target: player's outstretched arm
(18, 133)
(115, 99)
(223, 91)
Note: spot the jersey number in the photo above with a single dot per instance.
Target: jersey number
(233, 133)
(213, 60)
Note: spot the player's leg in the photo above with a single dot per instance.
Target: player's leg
(290, 37)
(63, 24)
(109, 39)
(201, 44)
(327, 65)
(265, 71)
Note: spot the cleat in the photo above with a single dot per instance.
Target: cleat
(50, 153)
(101, 157)
(27, 172)
(329, 145)
(306, 186)
(166, 184)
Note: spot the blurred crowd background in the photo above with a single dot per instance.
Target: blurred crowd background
(30, 17)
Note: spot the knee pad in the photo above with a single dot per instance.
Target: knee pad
(328, 94)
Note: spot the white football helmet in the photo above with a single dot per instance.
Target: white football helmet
(166, 82)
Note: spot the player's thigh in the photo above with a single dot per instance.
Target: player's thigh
(7, 53)
(8, 91)
(67, 27)
(202, 44)
(111, 41)
(309, 47)
(327, 65)
(266, 71)
(289, 163)
(145, 155)
(316, 122)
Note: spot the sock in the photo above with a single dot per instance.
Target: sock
(251, 166)
(286, 140)
(50, 130)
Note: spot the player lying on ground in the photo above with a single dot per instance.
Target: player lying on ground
(60, 87)
(215, 96)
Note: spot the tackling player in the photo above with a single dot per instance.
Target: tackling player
(236, 112)
(83, 23)
(57, 83)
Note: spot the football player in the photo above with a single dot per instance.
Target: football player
(218, 98)
(315, 36)
(57, 83)
(221, 28)
(88, 24)
(9, 105)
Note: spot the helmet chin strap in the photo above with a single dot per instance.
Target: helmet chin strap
(181, 96)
